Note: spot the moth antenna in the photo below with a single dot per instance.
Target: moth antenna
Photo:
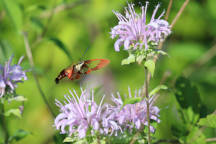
(84, 53)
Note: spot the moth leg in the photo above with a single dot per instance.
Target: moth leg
(71, 78)
(77, 76)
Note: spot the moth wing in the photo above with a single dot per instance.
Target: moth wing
(95, 64)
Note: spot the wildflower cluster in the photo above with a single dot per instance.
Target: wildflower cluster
(137, 36)
(134, 116)
(10, 75)
(82, 114)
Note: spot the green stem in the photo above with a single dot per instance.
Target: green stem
(4, 125)
(148, 105)
(29, 55)
(98, 140)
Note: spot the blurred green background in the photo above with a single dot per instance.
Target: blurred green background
(74, 25)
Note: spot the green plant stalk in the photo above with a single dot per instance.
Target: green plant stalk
(4, 125)
(147, 103)
(29, 55)
(98, 139)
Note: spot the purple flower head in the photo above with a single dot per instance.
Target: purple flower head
(134, 32)
(134, 115)
(2, 86)
(10, 75)
(80, 114)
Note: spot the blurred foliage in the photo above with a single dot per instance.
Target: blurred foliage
(59, 31)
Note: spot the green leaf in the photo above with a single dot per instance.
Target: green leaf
(61, 45)
(59, 138)
(150, 65)
(18, 135)
(155, 90)
(132, 100)
(195, 137)
(190, 116)
(20, 98)
(37, 23)
(99, 141)
(140, 58)
(209, 121)
(82, 141)
(162, 52)
(179, 130)
(15, 112)
(68, 139)
(187, 95)
(14, 12)
(128, 60)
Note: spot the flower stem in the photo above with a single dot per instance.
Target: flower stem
(29, 55)
(211, 139)
(4, 125)
(147, 103)
(134, 137)
(168, 9)
(179, 12)
(98, 140)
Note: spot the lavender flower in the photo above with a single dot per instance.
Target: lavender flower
(134, 115)
(133, 31)
(10, 75)
(2, 86)
(80, 114)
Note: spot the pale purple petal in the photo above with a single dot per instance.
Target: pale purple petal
(118, 43)
(134, 115)
(10, 75)
(80, 114)
(82, 131)
(95, 125)
(133, 30)
(20, 60)
(138, 124)
(2, 86)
